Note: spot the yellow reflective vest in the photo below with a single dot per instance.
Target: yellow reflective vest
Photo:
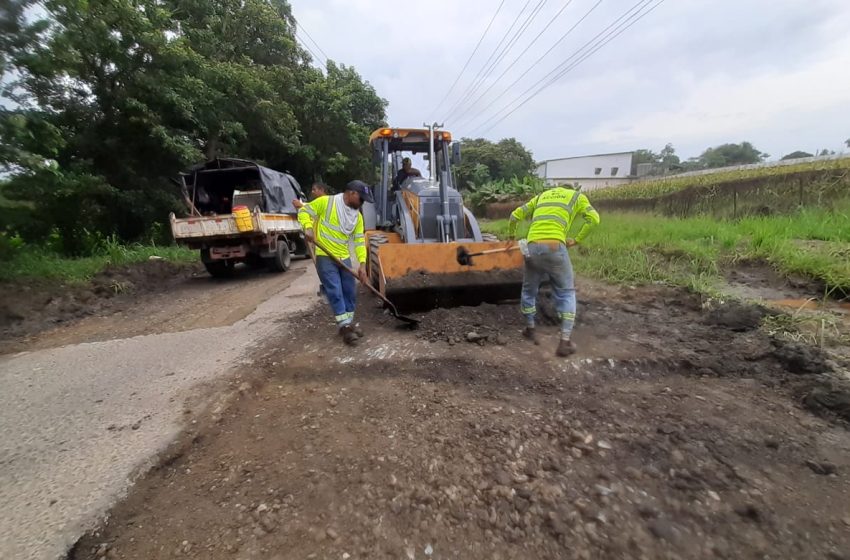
(320, 216)
(552, 213)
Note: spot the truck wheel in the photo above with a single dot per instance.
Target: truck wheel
(219, 269)
(253, 260)
(279, 262)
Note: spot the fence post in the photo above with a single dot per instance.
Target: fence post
(800, 182)
(735, 203)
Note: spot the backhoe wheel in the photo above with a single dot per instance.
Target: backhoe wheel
(281, 259)
(217, 269)
(375, 241)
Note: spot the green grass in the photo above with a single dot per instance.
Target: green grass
(652, 188)
(29, 262)
(638, 248)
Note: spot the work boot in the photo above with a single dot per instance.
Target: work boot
(565, 348)
(531, 334)
(358, 331)
(348, 335)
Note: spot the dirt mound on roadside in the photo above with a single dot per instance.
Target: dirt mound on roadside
(34, 305)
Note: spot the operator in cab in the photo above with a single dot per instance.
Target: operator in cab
(407, 170)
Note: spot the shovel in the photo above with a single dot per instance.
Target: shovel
(393, 311)
(464, 257)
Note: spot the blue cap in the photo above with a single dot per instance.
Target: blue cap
(362, 189)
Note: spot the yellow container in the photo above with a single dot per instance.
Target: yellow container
(244, 220)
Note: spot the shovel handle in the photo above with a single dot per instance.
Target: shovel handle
(350, 270)
(500, 250)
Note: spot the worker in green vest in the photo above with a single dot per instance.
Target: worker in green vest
(335, 221)
(552, 213)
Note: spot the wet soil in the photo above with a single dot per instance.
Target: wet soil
(145, 298)
(675, 432)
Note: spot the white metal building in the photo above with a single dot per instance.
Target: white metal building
(591, 172)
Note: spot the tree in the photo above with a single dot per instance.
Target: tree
(730, 154)
(662, 161)
(118, 96)
(796, 155)
(669, 157)
(847, 142)
(825, 152)
(485, 161)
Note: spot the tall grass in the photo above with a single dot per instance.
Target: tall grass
(651, 188)
(36, 262)
(691, 252)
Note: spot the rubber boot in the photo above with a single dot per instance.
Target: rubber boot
(565, 348)
(531, 334)
(348, 336)
(358, 331)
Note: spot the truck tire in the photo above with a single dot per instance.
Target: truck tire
(281, 259)
(255, 261)
(220, 269)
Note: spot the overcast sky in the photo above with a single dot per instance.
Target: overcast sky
(696, 73)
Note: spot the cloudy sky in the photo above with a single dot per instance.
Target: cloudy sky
(695, 73)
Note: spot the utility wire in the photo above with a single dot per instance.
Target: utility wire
(468, 60)
(505, 36)
(511, 65)
(584, 57)
(304, 29)
(312, 53)
(638, 6)
(534, 64)
(517, 34)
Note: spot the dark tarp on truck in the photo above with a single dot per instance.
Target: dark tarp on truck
(208, 187)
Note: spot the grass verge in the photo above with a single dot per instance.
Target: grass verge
(29, 262)
(655, 187)
(637, 248)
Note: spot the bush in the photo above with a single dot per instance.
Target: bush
(504, 191)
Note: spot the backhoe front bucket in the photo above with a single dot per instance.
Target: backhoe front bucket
(428, 275)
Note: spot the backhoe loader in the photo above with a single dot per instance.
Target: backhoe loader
(414, 229)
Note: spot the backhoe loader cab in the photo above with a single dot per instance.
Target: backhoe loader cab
(414, 228)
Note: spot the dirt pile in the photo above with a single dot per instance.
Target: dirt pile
(468, 459)
(484, 324)
(668, 436)
(28, 307)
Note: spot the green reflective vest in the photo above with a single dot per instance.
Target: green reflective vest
(320, 216)
(552, 213)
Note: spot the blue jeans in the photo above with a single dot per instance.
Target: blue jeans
(543, 261)
(340, 288)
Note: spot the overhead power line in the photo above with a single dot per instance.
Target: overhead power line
(468, 60)
(304, 44)
(562, 69)
(307, 33)
(525, 50)
(534, 64)
(489, 58)
(501, 55)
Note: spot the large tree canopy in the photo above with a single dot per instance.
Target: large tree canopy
(114, 97)
(485, 161)
(730, 154)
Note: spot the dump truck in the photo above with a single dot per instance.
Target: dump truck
(415, 228)
(239, 211)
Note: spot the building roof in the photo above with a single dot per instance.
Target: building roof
(586, 156)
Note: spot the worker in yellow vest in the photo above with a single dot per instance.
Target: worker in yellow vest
(552, 213)
(335, 221)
